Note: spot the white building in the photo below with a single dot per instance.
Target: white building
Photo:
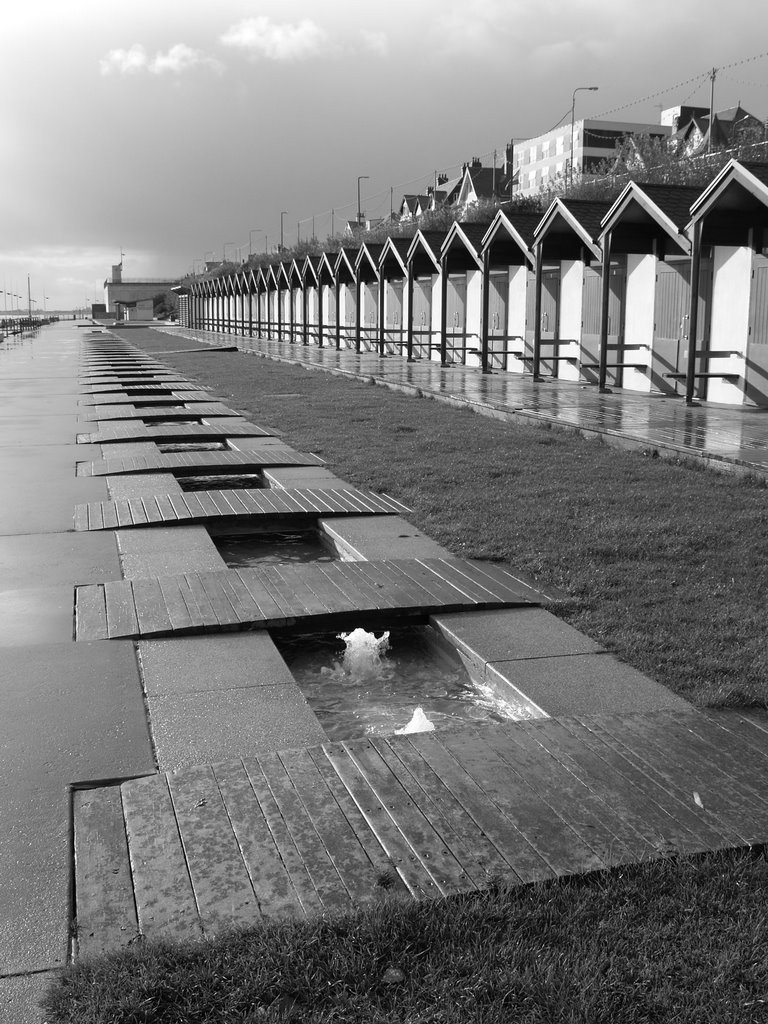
(542, 162)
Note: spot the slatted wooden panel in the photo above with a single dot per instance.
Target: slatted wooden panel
(284, 594)
(167, 397)
(195, 463)
(100, 392)
(206, 506)
(302, 832)
(119, 432)
(126, 411)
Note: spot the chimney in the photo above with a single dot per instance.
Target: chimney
(476, 161)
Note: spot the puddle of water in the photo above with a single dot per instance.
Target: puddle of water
(414, 672)
(240, 551)
(192, 446)
(221, 482)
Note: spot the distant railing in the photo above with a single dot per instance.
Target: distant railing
(18, 324)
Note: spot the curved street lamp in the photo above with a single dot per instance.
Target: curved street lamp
(283, 213)
(579, 88)
(360, 177)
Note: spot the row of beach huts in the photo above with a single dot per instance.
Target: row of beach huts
(604, 293)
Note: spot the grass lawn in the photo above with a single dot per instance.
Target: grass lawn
(665, 564)
(679, 942)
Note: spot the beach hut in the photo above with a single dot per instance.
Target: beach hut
(566, 295)
(644, 231)
(423, 298)
(508, 262)
(368, 293)
(346, 297)
(730, 221)
(393, 273)
(461, 280)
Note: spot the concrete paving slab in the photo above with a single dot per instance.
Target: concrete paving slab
(303, 476)
(71, 713)
(198, 728)
(587, 684)
(133, 485)
(249, 444)
(20, 998)
(48, 559)
(226, 661)
(25, 404)
(512, 634)
(36, 615)
(378, 537)
(37, 429)
(167, 550)
(39, 463)
(47, 506)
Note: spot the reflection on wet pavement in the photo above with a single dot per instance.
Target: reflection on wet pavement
(731, 433)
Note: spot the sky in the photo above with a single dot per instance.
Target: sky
(177, 131)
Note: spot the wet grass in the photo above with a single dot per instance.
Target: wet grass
(664, 563)
(592, 950)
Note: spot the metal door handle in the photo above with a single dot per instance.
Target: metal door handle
(545, 321)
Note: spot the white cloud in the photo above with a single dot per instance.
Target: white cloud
(264, 38)
(377, 42)
(124, 62)
(176, 60)
(180, 58)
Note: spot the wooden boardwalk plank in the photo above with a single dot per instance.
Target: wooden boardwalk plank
(290, 856)
(106, 912)
(453, 825)
(685, 764)
(178, 612)
(552, 837)
(387, 876)
(665, 821)
(91, 612)
(121, 612)
(523, 859)
(744, 732)
(495, 578)
(271, 611)
(222, 885)
(189, 463)
(449, 873)
(269, 876)
(200, 597)
(279, 595)
(713, 726)
(357, 872)
(599, 822)
(164, 898)
(416, 875)
(433, 585)
(357, 580)
(151, 611)
(312, 850)
(222, 607)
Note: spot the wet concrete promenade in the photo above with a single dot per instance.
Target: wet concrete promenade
(731, 435)
(70, 712)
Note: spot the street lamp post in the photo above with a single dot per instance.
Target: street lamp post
(283, 213)
(360, 177)
(251, 233)
(579, 88)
